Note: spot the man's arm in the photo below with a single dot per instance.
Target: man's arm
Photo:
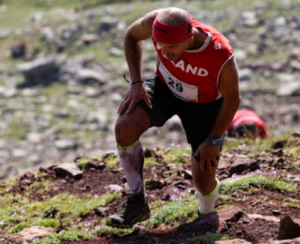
(137, 32)
(229, 88)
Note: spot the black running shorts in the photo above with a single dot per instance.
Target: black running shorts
(197, 118)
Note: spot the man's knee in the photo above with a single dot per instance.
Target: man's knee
(129, 128)
(122, 132)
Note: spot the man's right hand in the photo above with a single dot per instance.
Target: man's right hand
(136, 93)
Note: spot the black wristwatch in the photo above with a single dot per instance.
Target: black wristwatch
(216, 141)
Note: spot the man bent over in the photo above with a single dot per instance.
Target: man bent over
(196, 78)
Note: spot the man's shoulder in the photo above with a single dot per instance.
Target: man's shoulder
(149, 18)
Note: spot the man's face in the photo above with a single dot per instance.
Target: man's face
(173, 51)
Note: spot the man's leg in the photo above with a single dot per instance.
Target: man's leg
(197, 120)
(129, 128)
(207, 186)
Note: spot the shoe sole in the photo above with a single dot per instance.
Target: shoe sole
(122, 226)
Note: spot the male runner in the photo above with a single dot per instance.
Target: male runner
(196, 78)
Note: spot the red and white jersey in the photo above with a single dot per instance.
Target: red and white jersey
(195, 75)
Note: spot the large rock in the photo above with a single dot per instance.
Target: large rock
(289, 228)
(288, 241)
(289, 89)
(68, 169)
(218, 220)
(249, 18)
(241, 164)
(65, 144)
(30, 234)
(89, 76)
(245, 74)
(106, 24)
(4, 33)
(228, 214)
(267, 218)
(39, 69)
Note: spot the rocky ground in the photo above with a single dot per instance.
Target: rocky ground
(58, 102)
(61, 77)
(255, 214)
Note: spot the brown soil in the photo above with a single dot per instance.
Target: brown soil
(264, 201)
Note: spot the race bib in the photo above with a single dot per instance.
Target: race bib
(180, 89)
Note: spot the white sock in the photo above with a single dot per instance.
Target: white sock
(132, 161)
(207, 202)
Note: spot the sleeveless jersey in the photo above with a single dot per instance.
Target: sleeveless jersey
(194, 76)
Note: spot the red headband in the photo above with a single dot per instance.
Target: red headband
(170, 34)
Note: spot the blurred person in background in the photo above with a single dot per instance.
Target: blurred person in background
(246, 123)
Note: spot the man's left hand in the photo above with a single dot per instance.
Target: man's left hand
(209, 155)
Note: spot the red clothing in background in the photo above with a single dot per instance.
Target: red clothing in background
(243, 117)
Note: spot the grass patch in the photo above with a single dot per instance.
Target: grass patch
(294, 151)
(75, 235)
(54, 90)
(69, 235)
(176, 155)
(174, 212)
(291, 204)
(82, 163)
(149, 162)
(111, 161)
(100, 53)
(259, 181)
(17, 13)
(288, 202)
(67, 207)
(225, 197)
(39, 187)
(295, 165)
(16, 131)
(210, 238)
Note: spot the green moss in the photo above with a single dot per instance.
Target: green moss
(210, 238)
(69, 235)
(149, 162)
(174, 212)
(225, 197)
(16, 131)
(17, 228)
(257, 181)
(55, 90)
(51, 211)
(17, 13)
(294, 151)
(38, 213)
(111, 161)
(47, 222)
(287, 202)
(82, 163)
(176, 155)
(39, 187)
(291, 204)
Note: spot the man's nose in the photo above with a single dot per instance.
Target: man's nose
(164, 51)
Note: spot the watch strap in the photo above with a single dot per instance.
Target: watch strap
(216, 141)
